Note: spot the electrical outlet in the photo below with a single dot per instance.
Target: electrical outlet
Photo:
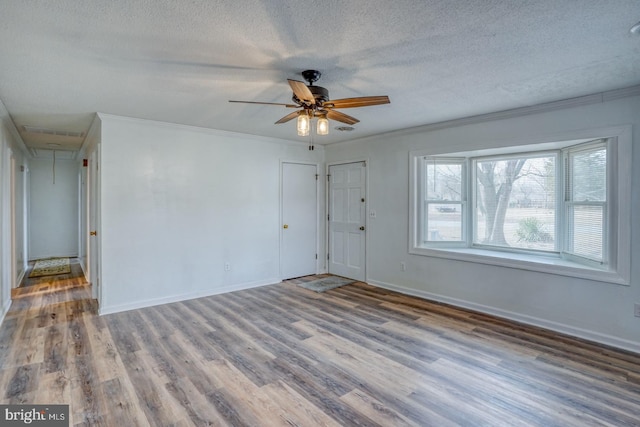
(372, 213)
(403, 266)
(636, 310)
(227, 266)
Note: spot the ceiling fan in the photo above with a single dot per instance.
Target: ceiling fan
(314, 101)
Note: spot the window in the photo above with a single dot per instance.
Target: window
(515, 202)
(586, 202)
(442, 208)
(548, 207)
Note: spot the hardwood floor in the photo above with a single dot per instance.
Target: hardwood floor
(47, 284)
(284, 355)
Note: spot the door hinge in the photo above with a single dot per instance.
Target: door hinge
(316, 256)
(328, 257)
(328, 176)
(327, 217)
(316, 177)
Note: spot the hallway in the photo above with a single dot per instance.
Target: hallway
(44, 322)
(48, 284)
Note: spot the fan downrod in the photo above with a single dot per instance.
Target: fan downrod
(311, 76)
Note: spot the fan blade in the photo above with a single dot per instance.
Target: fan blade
(302, 91)
(288, 117)
(363, 101)
(341, 117)
(267, 103)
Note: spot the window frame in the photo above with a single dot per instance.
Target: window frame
(618, 241)
(568, 201)
(474, 201)
(423, 209)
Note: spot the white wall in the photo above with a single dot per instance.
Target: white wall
(53, 216)
(594, 310)
(177, 203)
(11, 145)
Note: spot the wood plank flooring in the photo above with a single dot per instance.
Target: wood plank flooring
(282, 355)
(47, 284)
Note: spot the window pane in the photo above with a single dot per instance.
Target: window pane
(444, 222)
(443, 180)
(589, 175)
(515, 202)
(442, 209)
(585, 232)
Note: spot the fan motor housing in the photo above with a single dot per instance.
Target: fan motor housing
(319, 93)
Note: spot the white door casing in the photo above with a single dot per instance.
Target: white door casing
(299, 220)
(14, 254)
(347, 207)
(93, 224)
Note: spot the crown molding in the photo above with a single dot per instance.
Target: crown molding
(596, 98)
(198, 129)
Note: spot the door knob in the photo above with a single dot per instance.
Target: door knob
(285, 226)
(362, 228)
(93, 233)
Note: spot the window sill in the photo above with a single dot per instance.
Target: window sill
(542, 264)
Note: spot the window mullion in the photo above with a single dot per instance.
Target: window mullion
(471, 197)
(562, 188)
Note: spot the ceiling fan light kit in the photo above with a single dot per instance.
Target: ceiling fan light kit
(304, 123)
(314, 102)
(323, 125)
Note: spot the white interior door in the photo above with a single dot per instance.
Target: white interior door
(347, 207)
(298, 252)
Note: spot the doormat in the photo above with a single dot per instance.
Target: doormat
(326, 283)
(50, 267)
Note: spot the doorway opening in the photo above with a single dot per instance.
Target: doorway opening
(51, 283)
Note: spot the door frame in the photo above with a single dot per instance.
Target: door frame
(281, 212)
(366, 162)
(12, 204)
(93, 224)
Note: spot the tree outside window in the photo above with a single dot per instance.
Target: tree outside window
(515, 202)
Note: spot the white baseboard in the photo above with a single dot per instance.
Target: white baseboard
(522, 318)
(20, 277)
(183, 297)
(84, 269)
(42, 256)
(5, 309)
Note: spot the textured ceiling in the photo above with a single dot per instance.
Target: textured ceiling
(180, 61)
